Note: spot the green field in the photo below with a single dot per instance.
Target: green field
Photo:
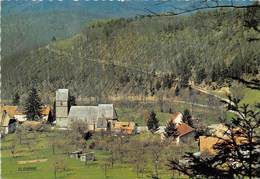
(205, 115)
(251, 96)
(73, 167)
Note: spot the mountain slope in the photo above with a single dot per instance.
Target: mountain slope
(142, 55)
(31, 24)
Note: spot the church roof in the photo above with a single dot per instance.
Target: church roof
(106, 111)
(93, 114)
(88, 114)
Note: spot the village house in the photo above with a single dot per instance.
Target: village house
(10, 116)
(186, 133)
(217, 133)
(123, 127)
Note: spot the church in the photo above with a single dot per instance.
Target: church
(100, 117)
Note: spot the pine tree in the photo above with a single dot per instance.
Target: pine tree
(187, 117)
(152, 122)
(171, 130)
(177, 91)
(33, 105)
(16, 99)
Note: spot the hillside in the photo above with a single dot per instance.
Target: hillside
(141, 56)
(31, 24)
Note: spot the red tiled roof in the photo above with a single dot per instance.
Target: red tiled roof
(184, 129)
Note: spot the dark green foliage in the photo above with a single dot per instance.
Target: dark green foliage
(16, 99)
(53, 39)
(33, 105)
(170, 110)
(152, 122)
(251, 18)
(177, 90)
(171, 130)
(158, 85)
(167, 81)
(187, 118)
(72, 100)
(200, 74)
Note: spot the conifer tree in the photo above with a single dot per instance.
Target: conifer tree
(33, 105)
(187, 117)
(152, 122)
(16, 99)
(171, 130)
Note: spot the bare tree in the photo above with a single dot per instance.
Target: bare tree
(59, 165)
(13, 146)
(76, 136)
(155, 148)
(136, 154)
(20, 133)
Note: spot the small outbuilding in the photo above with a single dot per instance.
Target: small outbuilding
(84, 157)
(75, 154)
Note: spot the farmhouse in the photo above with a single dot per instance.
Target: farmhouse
(186, 133)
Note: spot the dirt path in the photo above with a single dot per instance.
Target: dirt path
(31, 161)
(154, 99)
(209, 93)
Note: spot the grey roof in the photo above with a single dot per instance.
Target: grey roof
(62, 95)
(84, 113)
(107, 111)
(93, 114)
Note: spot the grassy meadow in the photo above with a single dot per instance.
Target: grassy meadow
(73, 168)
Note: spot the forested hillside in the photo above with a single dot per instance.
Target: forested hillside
(31, 24)
(142, 55)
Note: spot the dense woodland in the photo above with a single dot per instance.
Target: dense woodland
(142, 56)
